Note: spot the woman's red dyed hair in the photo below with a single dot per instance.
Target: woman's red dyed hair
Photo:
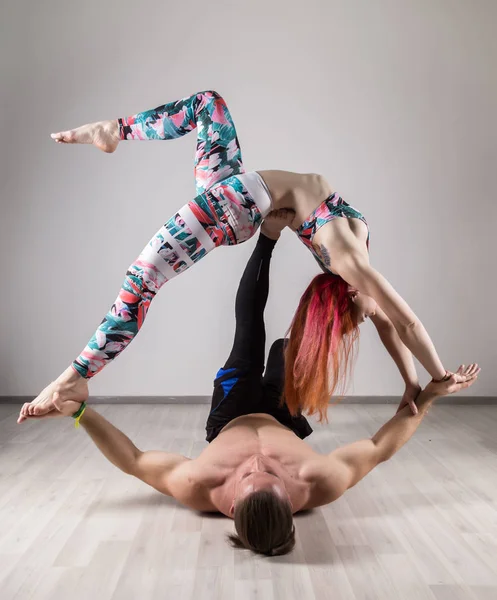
(320, 352)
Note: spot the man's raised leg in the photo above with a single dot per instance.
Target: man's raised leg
(237, 387)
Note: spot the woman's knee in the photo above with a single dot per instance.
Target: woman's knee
(212, 93)
(208, 94)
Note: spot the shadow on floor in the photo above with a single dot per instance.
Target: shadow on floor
(131, 503)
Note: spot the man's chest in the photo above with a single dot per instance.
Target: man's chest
(233, 448)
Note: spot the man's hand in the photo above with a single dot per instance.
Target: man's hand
(461, 379)
(67, 408)
(409, 398)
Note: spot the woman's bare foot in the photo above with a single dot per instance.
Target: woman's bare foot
(104, 135)
(276, 221)
(70, 386)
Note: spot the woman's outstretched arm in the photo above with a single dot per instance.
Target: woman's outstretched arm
(401, 356)
(346, 255)
(354, 267)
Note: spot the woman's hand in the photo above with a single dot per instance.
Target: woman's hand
(462, 378)
(409, 398)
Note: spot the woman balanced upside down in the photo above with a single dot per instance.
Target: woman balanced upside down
(228, 209)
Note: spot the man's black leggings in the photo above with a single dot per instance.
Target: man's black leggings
(240, 388)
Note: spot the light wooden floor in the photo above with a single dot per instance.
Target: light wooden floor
(422, 526)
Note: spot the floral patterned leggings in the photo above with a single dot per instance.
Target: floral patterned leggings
(225, 212)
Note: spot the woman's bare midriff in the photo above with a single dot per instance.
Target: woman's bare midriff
(302, 192)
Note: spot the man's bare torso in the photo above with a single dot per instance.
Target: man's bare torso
(205, 483)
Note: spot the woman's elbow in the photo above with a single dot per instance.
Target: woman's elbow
(407, 327)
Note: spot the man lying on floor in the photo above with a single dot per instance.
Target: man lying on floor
(257, 469)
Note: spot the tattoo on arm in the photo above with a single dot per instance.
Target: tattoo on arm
(325, 255)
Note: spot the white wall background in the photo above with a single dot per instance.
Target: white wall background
(394, 101)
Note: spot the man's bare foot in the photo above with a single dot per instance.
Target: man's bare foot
(104, 135)
(276, 221)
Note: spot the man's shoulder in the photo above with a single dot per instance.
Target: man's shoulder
(192, 483)
(324, 475)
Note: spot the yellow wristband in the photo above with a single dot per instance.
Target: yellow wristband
(78, 418)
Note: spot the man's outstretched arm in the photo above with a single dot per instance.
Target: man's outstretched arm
(152, 467)
(349, 464)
